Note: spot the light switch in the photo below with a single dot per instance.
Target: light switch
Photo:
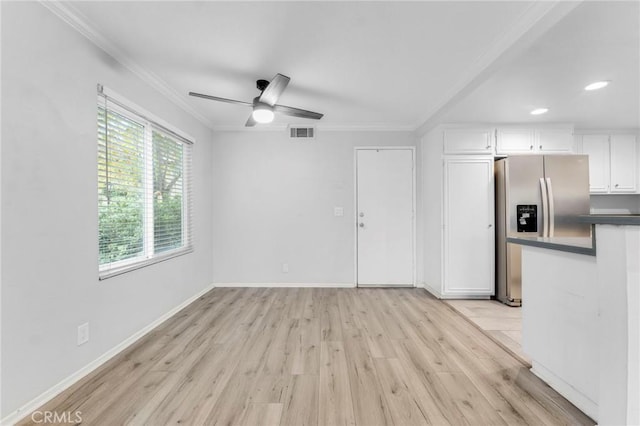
(338, 211)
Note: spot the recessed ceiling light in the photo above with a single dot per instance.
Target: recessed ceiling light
(597, 85)
(539, 111)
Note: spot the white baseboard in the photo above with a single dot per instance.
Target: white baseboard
(463, 296)
(54, 391)
(287, 285)
(386, 286)
(433, 291)
(574, 396)
(442, 296)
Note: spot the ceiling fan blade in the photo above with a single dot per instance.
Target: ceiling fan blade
(273, 91)
(215, 98)
(250, 122)
(297, 112)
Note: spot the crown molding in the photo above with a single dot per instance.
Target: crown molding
(74, 18)
(532, 23)
(605, 131)
(257, 128)
(374, 127)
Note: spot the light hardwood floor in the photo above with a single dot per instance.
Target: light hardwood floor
(315, 357)
(500, 322)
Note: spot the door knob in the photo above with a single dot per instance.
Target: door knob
(361, 225)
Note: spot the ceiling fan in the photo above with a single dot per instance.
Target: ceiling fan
(264, 106)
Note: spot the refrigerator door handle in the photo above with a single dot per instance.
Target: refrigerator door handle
(545, 208)
(552, 212)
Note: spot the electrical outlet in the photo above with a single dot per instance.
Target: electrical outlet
(83, 333)
(285, 268)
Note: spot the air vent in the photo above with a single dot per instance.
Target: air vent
(302, 132)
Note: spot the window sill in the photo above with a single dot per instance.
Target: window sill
(113, 272)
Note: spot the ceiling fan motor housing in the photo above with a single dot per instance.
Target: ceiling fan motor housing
(262, 84)
(257, 103)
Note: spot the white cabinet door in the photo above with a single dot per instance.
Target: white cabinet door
(469, 237)
(623, 163)
(597, 148)
(468, 141)
(515, 141)
(555, 141)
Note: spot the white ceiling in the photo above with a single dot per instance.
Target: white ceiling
(596, 41)
(382, 64)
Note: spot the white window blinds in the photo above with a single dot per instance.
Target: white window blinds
(144, 181)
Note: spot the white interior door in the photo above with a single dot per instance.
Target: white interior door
(385, 217)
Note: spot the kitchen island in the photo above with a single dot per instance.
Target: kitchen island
(581, 308)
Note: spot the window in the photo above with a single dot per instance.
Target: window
(143, 187)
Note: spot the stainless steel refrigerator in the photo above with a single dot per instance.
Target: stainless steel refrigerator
(536, 196)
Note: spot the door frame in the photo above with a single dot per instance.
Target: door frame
(355, 207)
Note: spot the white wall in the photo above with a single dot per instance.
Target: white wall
(560, 320)
(49, 208)
(431, 145)
(615, 204)
(0, 217)
(618, 261)
(274, 200)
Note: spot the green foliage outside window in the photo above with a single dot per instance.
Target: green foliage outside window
(121, 189)
(167, 192)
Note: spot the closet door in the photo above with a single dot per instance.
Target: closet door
(469, 236)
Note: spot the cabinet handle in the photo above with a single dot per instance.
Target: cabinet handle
(616, 185)
(540, 147)
(531, 147)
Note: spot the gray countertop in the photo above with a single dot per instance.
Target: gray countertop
(578, 245)
(611, 219)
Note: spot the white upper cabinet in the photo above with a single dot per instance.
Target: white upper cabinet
(508, 140)
(613, 163)
(597, 148)
(623, 149)
(551, 141)
(468, 141)
(515, 140)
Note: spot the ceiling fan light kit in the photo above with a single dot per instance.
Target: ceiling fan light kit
(264, 106)
(262, 113)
